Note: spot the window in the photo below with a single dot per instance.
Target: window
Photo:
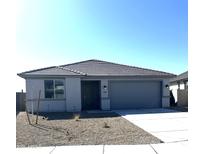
(54, 89)
(59, 89)
(49, 89)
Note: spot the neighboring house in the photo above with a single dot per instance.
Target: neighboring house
(179, 88)
(95, 85)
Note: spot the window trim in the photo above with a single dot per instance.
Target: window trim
(54, 98)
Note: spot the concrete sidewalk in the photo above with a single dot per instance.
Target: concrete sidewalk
(163, 148)
(167, 125)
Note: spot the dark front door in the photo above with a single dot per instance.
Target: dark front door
(90, 95)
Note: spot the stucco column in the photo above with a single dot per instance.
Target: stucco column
(73, 94)
(185, 84)
(165, 93)
(105, 101)
(178, 84)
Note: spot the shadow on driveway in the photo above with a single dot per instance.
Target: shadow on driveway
(180, 109)
(146, 111)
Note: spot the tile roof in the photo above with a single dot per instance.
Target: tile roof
(95, 68)
(180, 77)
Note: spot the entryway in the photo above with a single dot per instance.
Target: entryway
(90, 95)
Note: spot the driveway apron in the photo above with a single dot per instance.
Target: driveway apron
(167, 125)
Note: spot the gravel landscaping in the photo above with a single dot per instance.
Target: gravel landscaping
(87, 129)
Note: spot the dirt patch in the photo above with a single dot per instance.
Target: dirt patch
(89, 129)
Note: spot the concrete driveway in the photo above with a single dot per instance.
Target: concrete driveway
(167, 125)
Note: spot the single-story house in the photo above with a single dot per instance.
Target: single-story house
(179, 89)
(95, 85)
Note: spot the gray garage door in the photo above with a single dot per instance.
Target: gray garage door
(135, 94)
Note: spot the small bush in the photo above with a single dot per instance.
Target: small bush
(77, 117)
(106, 125)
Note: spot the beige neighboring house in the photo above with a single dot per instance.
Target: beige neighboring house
(179, 89)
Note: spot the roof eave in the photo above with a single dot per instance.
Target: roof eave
(118, 75)
(46, 76)
(21, 75)
(91, 75)
(174, 81)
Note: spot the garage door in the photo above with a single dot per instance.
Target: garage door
(135, 94)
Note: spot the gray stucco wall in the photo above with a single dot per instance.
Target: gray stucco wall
(105, 101)
(73, 94)
(165, 93)
(72, 100)
(33, 86)
(174, 88)
(182, 97)
(47, 106)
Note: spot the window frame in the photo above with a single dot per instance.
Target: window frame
(54, 89)
(186, 85)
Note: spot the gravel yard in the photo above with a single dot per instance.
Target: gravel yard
(90, 129)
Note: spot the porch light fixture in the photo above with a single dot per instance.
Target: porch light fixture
(104, 87)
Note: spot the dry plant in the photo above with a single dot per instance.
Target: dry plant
(77, 117)
(45, 118)
(106, 125)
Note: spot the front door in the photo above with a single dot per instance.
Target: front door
(90, 95)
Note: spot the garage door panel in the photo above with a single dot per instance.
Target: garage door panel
(135, 94)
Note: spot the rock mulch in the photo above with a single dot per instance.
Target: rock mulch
(55, 129)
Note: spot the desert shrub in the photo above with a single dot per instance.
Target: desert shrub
(105, 125)
(77, 117)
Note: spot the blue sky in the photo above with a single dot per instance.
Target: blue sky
(145, 33)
